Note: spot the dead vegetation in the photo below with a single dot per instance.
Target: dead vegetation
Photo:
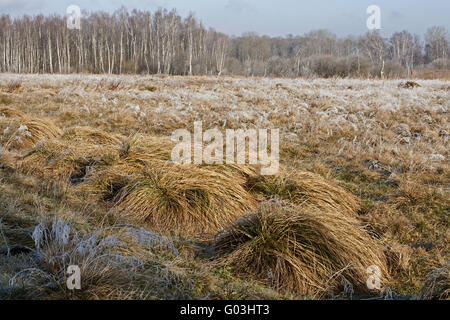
(301, 248)
(363, 181)
(13, 85)
(409, 85)
(305, 187)
(185, 200)
(437, 285)
(114, 85)
(22, 131)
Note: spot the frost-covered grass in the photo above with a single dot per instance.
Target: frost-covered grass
(386, 144)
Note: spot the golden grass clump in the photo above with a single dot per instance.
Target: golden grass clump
(78, 151)
(398, 257)
(59, 245)
(437, 285)
(140, 150)
(242, 173)
(136, 153)
(63, 160)
(11, 113)
(301, 249)
(19, 131)
(183, 199)
(42, 129)
(300, 187)
(7, 160)
(7, 129)
(90, 135)
(108, 182)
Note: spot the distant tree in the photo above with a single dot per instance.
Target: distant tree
(436, 44)
(376, 49)
(162, 42)
(402, 49)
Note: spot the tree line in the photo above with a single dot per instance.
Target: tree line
(163, 42)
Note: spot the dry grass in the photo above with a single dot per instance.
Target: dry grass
(301, 248)
(64, 161)
(13, 85)
(81, 135)
(112, 262)
(437, 285)
(409, 85)
(11, 113)
(184, 199)
(435, 74)
(21, 131)
(364, 155)
(305, 187)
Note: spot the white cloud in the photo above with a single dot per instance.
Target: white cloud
(7, 3)
(21, 5)
(239, 6)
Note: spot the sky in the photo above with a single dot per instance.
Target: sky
(269, 17)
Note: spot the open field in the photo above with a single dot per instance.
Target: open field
(86, 179)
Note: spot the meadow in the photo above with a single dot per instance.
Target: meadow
(86, 179)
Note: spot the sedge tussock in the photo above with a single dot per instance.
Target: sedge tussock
(136, 154)
(7, 159)
(184, 199)
(398, 257)
(42, 129)
(59, 160)
(301, 186)
(9, 127)
(109, 259)
(140, 150)
(19, 131)
(242, 173)
(109, 182)
(90, 135)
(11, 113)
(300, 248)
(437, 285)
(59, 245)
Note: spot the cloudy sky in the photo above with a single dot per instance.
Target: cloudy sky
(271, 17)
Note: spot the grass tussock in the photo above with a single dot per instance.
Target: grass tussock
(304, 187)
(92, 136)
(301, 248)
(20, 131)
(140, 150)
(135, 155)
(242, 173)
(42, 129)
(183, 199)
(114, 263)
(62, 160)
(111, 165)
(11, 113)
(7, 160)
(398, 257)
(437, 285)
